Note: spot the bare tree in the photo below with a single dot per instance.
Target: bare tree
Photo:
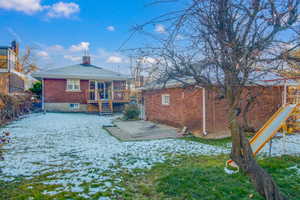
(227, 45)
(27, 61)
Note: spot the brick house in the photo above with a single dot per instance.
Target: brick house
(83, 88)
(202, 111)
(11, 77)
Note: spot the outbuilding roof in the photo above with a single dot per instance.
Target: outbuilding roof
(262, 79)
(81, 71)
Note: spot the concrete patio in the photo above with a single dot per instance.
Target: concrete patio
(142, 130)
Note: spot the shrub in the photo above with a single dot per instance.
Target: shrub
(36, 88)
(12, 107)
(131, 112)
(4, 138)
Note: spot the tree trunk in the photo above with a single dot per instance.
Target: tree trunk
(242, 155)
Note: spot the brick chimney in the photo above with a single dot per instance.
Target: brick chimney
(86, 60)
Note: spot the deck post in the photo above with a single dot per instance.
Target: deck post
(285, 93)
(112, 90)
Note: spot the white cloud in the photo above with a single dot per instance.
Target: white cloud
(110, 28)
(148, 60)
(56, 10)
(42, 54)
(159, 28)
(80, 47)
(26, 6)
(62, 9)
(56, 48)
(73, 58)
(114, 59)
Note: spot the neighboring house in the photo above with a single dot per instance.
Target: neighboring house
(84, 88)
(202, 111)
(10, 70)
(29, 82)
(135, 88)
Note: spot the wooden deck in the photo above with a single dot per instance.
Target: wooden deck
(103, 96)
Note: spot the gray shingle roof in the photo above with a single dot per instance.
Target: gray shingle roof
(81, 71)
(258, 78)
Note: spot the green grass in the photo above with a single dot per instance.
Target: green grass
(216, 142)
(179, 178)
(22, 188)
(203, 178)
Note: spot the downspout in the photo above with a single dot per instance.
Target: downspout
(204, 111)
(43, 95)
(285, 93)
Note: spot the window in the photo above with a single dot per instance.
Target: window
(165, 99)
(73, 85)
(92, 85)
(75, 106)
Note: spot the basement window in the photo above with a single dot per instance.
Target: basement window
(74, 106)
(165, 99)
(73, 85)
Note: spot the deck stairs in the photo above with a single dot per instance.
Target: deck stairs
(105, 107)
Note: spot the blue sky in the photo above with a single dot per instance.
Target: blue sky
(59, 30)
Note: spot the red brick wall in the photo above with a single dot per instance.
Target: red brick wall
(168, 114)
(192, 108)
(185, 108)
(268, 100)
(55, 92)
(216, 113)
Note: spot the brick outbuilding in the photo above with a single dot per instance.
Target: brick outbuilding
(203, 111)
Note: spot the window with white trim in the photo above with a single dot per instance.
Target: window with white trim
(165, 99)
(73, 85)
(74, 106)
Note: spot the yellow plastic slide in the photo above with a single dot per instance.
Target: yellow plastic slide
(269, 129)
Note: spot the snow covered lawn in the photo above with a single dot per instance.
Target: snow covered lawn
(290, 145)
(71, 150)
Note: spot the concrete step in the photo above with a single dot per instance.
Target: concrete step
(105, 113)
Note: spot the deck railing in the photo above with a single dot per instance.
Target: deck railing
(116, 96)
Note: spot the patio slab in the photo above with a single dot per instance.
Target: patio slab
(142, 130)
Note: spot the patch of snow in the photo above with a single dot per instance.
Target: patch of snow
(83, 195)
(95, 190)
(104, 198)
(290, 145)
(296, 168)
(76, 189)
(51, 193)
(76, 149)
